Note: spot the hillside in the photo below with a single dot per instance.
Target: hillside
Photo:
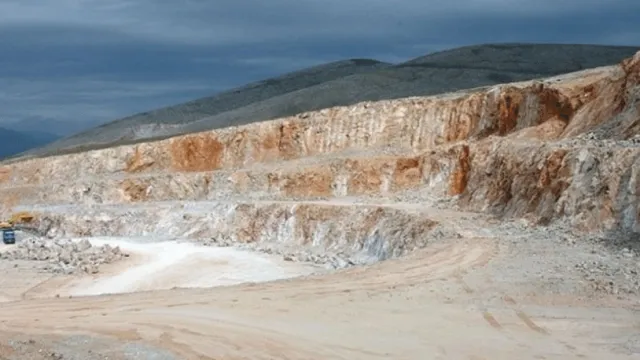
(345, 83)
(163, 121)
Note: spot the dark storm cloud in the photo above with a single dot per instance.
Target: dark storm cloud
(92, 61)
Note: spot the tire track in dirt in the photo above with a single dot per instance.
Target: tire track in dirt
(525, 319)
(391, 309)
(149, 314)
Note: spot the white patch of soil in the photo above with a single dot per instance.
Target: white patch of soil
(169, 264)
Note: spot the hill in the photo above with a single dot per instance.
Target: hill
(345, 83)
(162, 121)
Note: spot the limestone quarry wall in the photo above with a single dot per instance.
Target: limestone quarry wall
(588, 183)
(368, 233)
(558, 148)
(416, 123)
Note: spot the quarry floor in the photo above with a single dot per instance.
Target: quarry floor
(512, 294)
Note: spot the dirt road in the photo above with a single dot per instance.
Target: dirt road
(438, 303)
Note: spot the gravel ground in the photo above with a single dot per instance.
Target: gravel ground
(560, 259)
(22, 347)
(557, 260)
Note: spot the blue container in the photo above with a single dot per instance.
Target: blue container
(8, 236)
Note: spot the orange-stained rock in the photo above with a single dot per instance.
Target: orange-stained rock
(196, 152)
(416, 123)
(509, 102)
(289, 144)
(555, 105)
(314, 182)
(604, 102)
(364, 177)
(407, 173)
(460, 175)
(548, 130)
(135, 190)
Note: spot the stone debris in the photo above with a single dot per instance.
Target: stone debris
(339, 260)
(219, 241)
(65, 256)
(330, 261)
(76, 347)
(617, 275)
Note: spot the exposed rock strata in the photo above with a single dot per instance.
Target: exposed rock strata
(560, 148)
(589, 182)
(415, 123)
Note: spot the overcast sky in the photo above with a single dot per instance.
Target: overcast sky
(91, 61)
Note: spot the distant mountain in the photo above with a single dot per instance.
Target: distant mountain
(345, 83)
(62, 128)
(13, 142)
(169, 119)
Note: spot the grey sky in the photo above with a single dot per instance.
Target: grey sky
(91, 61)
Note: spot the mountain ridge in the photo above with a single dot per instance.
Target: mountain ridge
(343, 83)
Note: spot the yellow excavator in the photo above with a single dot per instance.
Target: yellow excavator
(8, 227)
(22, 217)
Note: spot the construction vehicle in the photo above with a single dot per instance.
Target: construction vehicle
(8, 233)
(8, 228)
(21, 218)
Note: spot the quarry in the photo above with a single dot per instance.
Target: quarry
(498, 222)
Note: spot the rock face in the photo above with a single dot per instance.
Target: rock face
(559, 149)
(356, 234)
(65, 256)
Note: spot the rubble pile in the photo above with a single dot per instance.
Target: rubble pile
(331, 261)
(65, 256)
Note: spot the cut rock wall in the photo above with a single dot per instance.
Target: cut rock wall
(370, 233)
(414, 123)
(560, 148)
(585, 181)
